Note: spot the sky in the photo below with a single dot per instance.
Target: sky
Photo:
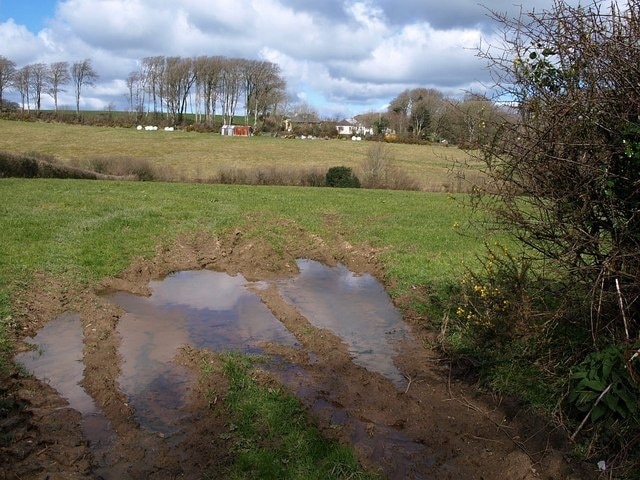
(342, 57)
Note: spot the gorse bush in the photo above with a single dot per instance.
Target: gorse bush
(495, 303)
(565, 183)
(342, 177)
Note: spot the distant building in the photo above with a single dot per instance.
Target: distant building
(349, 127)
(236, 130)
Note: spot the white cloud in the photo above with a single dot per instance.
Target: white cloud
(352, 55)
(19, 44)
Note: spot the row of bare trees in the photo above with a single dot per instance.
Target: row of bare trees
(206, 85)
(35, 80)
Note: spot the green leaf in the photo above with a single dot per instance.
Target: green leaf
(596, 385)
(598, 412)
(611, 401)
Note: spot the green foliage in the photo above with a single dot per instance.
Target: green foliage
(342, 177)
(538, 68)
(517, 376)
(566, 184)
(495, 302)
(500, 328)
(602, 384)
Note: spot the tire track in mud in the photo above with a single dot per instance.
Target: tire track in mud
(399, 432)
(432, 428)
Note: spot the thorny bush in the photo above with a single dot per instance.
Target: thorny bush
(566, 184)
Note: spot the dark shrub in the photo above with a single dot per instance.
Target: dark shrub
(342, 177)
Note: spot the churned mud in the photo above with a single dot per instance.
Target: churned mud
(137, 343)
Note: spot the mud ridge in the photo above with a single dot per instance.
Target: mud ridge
(440, 428)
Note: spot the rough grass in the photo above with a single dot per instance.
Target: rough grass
(274, 439)
(84, 230)
(90, 229)
(192, 156)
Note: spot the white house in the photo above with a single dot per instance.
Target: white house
(350, 127)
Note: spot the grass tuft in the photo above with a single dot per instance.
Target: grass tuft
(273, 438)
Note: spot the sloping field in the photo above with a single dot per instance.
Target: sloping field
(200, 156)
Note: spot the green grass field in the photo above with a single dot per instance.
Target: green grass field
(200, 156)
(90, 229)
(83, 230)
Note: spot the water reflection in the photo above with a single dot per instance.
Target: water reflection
(199, 308)
(354, 307)
(57, 361)
(217, 311)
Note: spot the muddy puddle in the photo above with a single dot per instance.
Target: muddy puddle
(204, 309)
(354, 307)
(213, 310)
(56, 359)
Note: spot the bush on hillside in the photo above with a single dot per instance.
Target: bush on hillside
(342, 177)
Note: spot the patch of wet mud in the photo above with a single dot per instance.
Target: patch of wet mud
(403, 417)
(56, 359)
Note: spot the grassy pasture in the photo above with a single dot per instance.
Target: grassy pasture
(89, 228)
(84, 230)
(199, 156)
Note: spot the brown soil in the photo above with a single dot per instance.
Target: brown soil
(466, 434)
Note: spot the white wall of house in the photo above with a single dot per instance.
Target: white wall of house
(353, 128)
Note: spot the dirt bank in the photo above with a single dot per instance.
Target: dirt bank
(443, 428)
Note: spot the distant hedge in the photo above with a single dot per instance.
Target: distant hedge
(29, 166)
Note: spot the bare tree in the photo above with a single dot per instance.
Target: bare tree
(136, 93)
(231, 86)
(82, 74)
(302, 112)
(265, 89)
(7, 71)
(250, 72)
(179, 78)
(413, 111)
(22, 83)
(208, 81)
(57, 77)
(38, 82)
(471, 122)
(209, 76)
(152, 75)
